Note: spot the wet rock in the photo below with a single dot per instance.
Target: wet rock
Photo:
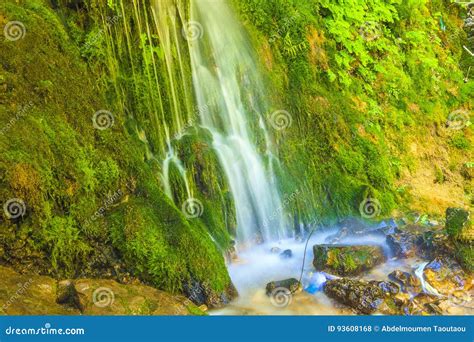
(291, 284)
(22, 294)
(408, 281)
(421, 304)
(67, 294)
(337, 237)
(446, 276)
(346, 260)
(434, 243)
(403, 244)
(364, 297)
(275, 250)
(467, 172)
(200, 293)
(286, 254)
(389, 287)
(459, 225)
(231, 253)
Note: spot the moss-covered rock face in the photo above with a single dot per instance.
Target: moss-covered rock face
(346, 260)
(370, 87)
(85, 199)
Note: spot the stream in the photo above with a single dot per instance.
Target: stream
(257, 266)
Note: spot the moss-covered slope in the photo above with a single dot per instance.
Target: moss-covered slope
(93, 203)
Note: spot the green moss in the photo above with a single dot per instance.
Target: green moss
(87, 190)
(194, 310)
(357, 103)
(465, 255)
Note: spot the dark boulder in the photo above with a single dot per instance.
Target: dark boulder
(67, 294)
(459, 225)
(403, 244)
(286, 254)
(363, 297)
(201, 293)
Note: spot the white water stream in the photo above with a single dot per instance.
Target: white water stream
(227, 81)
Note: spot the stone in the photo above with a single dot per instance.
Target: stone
(286, 254)
(201, 293)
(27, 294)
(363, 297)
(403, 244)
(66, 293)
(447, 276)
(291, 284)
(408, 281)
(459, 225)
(346, 260)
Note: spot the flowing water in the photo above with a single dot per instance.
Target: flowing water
(223, 68)
(258, 266)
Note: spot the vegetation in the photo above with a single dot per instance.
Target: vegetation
(369, 85)
(94, 201)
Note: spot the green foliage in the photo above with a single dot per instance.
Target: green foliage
(65, 245)
(86, 190)
(373, 77)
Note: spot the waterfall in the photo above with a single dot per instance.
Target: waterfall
(226, 80)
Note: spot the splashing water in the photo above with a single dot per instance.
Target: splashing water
(427, 288)
(223, 68)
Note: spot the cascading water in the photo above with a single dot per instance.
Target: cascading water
(227, 80)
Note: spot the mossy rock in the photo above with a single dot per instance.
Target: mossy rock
(346, 260)
(459, 224)
(460, 229)
(464, 253)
